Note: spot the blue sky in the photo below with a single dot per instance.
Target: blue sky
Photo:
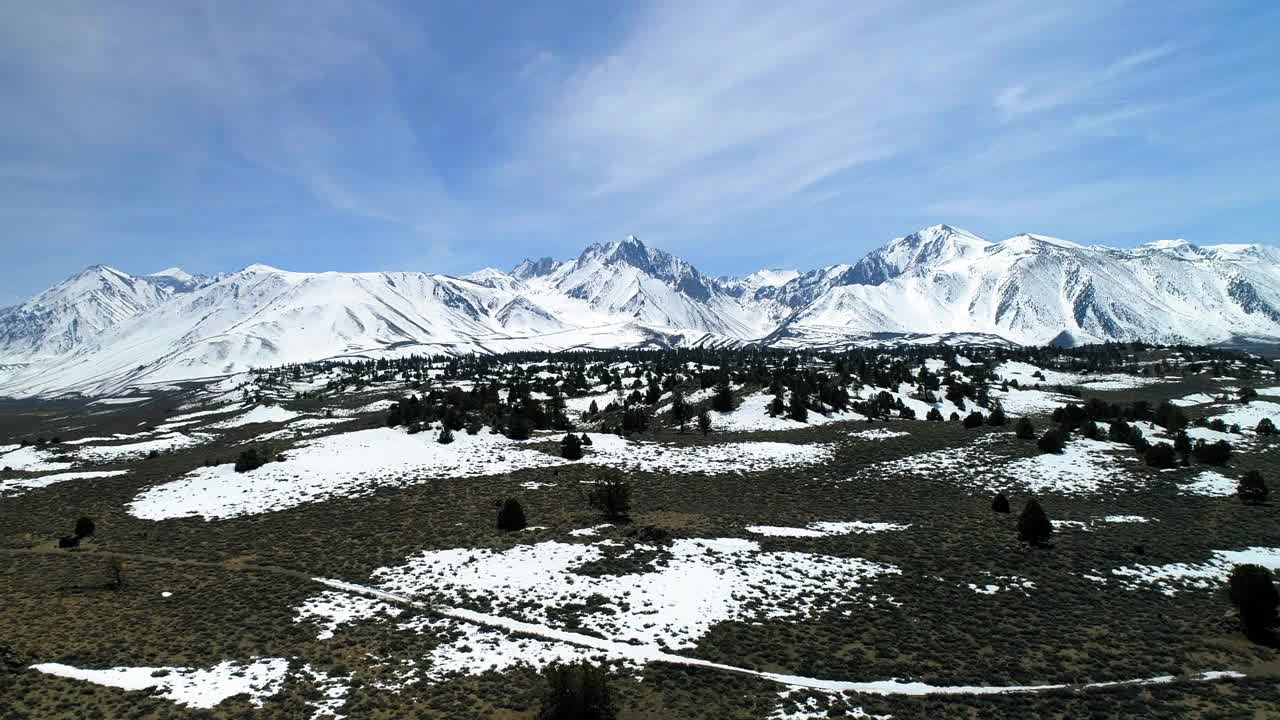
(330, 135)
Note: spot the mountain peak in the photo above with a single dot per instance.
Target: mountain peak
(174, 273)
(535, 268)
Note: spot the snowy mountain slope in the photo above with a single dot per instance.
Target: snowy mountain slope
(1032, 289)
(103, 330)
(77, 309)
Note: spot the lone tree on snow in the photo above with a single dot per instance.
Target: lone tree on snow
(1033, 525)
(1052, 441)
(571, 447)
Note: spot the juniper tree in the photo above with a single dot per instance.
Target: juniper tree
(1252, 488)
(571, 447)
(1161, 455)
(1052, 441)
(1252, 591)
(84, 527)
(576, 691)
(1034, 525)
(511, 515)
(612, 496)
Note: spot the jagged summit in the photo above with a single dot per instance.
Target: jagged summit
(103, 328)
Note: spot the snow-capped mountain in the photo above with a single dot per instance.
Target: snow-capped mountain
(103, 329)
(62, 318)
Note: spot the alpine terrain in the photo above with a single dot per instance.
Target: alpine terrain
(103, 330)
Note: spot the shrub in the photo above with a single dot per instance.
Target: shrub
(1254, 595)
(1266, 427)
(445, 437)
(1090, 430)
(1000, 503)
(249, 459)
(1252, 488)
(571, 447)
(955, 417)
(934, 415)
(576, 691)
(1034, 525)
(1161, 455)
(586, 439)
(997, 417)
(84, 527)
(1052, 441)
(973, 420)
(1215, 453)
(1024, 429)
(612, 497)
(511, 515)
(473, 427)
(704, 422)
(1118, 431)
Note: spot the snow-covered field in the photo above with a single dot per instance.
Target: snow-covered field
(139, 450)
(1175, 577)
(16, 486)
(668, 605)
(333, 466)
(826, 529)
(1084, 467)
(752, 413)
(355, 463)
(192, 687)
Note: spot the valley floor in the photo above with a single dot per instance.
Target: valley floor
(770, 569)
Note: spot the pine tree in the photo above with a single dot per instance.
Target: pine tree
(593, 408)
(704, 422)
(798, 410)
(445, 437)
(723, 400)
(973, 420)
(679, 410)
(1033, 525)
(997, 417)
(571, 447)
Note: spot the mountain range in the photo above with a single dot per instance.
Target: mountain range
(103, 330)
